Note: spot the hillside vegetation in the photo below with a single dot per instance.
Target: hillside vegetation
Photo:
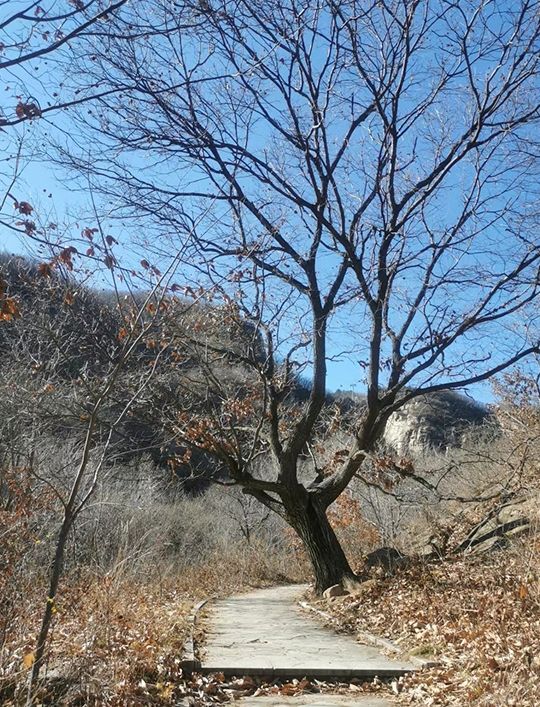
(158, 535)
(67, 332)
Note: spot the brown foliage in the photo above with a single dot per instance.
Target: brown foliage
(480, 617)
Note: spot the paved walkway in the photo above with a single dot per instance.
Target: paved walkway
(317, 701)
(266, 633)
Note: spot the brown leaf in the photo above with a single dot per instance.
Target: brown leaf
(27, 110)
(45, 269)
(492, 664)
(9, 309)
(23, 207)
(289, 689)
(28, 660)
(66, 257)
(89, 233)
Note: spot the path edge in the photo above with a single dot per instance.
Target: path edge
(189, 662)
(372, 639)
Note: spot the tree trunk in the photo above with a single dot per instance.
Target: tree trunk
(56, 573)
(330, 566)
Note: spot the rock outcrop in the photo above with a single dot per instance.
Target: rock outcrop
(437, 421)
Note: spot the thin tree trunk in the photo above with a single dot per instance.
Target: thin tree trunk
(56, 573)
(330, 566)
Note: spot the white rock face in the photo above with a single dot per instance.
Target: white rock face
(406, 433)
(437, 421)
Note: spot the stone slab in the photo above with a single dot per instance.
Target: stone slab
(266, 633)
(316, 701)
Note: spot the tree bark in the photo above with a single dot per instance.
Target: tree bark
(307, 515)
(56, 573)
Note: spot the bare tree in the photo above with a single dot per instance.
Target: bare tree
(350, 166)
(34, 38)
(31, 30)
(86, 373)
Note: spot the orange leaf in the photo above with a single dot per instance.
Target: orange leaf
(28, 660)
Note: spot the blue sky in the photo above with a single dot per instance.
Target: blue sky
(343, 374)
(48, 191)
(55, 201)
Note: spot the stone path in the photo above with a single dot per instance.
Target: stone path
(266, 633)
(317, 701)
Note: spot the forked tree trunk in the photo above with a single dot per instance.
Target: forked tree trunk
(330, 566)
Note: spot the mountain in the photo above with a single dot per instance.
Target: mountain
(68, 335)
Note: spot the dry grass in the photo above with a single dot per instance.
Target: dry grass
(117, 638)
(139, 559)
(109, 634)
(131, 580)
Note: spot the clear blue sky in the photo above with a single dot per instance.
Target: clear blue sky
(49, 193)
(54, 201)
